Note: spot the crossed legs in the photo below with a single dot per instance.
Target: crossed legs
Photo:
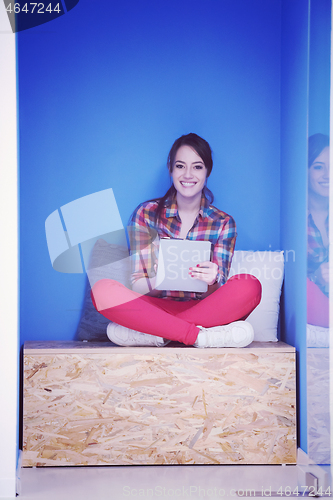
(175, 320)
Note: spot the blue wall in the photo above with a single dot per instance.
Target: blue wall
(294, 133)
(319, 67)
(104, 91)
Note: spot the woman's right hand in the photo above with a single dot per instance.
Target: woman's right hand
(141, 285)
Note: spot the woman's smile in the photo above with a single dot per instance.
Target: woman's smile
(187, 184)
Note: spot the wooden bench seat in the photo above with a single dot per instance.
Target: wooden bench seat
(99, 404)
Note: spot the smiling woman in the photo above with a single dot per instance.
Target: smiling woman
(147, 316)
(318, 248)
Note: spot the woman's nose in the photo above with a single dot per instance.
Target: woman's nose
(188, 172)
(327, 173)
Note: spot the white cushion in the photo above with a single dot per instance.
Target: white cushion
(268, 267)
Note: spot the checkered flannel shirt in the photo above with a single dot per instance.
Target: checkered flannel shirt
(211, 225)
(317, 253)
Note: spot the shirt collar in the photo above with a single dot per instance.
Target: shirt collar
(172, 208)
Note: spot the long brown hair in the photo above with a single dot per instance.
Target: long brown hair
(317, 142)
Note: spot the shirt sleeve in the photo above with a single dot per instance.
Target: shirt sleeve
(142, 239)
(224, 247)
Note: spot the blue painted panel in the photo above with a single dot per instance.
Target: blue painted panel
(105, 89)
(319, 69)
(294, 119)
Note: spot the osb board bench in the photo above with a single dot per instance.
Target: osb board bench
(99, 404)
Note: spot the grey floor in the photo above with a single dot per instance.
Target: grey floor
(195, 482)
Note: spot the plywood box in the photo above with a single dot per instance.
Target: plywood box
(98, 404)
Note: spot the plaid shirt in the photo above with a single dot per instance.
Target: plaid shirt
(317, 253)
(211, 225)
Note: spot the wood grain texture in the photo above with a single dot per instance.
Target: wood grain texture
(124, 406)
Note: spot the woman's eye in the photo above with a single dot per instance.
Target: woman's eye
(199, 167)
(179, 165)
(317, 167)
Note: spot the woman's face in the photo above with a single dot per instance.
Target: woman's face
(188, 173)
(319, 174)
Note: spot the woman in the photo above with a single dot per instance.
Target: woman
(318, 248)
(151, 317)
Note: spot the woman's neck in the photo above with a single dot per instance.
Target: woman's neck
(188, 205)
(318, 203)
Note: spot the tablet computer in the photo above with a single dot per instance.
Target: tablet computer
(175, 258)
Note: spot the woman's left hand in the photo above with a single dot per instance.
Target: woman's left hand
(205, 271)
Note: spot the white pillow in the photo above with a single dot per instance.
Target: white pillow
(268, 267)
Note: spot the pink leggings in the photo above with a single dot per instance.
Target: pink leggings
(176, 320)
(317, 305)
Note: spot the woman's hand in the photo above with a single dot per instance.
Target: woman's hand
(146, 286)
(205, 271)
(323, 273)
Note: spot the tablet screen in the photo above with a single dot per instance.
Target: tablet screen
(175, 258)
